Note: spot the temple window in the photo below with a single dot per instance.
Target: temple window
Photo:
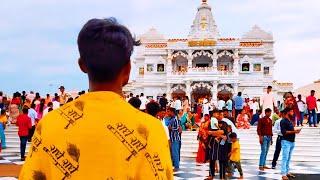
(160, 67)
(149, 67)
(141, 71)
(266, 70)
(245, 67)
(257, 67)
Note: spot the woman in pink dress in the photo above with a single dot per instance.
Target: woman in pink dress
(40, 108)
(243, 121)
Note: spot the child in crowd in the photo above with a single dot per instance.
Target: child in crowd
(235, 155)
(214, 123)
(3, 122)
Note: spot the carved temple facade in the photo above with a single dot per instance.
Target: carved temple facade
(205, 64)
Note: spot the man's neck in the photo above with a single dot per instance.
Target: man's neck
(105, 87)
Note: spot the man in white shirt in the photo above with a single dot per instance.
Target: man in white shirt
(277, 129)
(177, 104)
(46, 110)
(221, 104)
(268, 101)
(205, 107)
(144, 101)
(254, 106)
(302, 106)
(33, 115)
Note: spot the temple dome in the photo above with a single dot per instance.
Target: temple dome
(257, 33)
(152, 35)
(204, 25)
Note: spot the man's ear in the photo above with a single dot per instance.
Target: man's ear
(126, 73)
(82, 66)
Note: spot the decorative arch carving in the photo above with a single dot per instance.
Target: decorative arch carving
(245, 59)
(180, 53)
(225, 87)
(203, 53)
(178, 87)
(201, 85)
(225, 53)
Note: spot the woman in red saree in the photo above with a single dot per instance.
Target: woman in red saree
(203, 138)
(243, 120)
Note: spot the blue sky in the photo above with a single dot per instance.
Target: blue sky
(38, 49)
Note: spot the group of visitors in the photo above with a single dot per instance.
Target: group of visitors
(25, 111)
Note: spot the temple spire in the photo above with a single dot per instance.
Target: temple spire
(204, 25)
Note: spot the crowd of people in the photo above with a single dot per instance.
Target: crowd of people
(128, 144)
(217, 127)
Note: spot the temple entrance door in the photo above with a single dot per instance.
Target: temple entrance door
(224, 95)
(199, 94)
(178, 93)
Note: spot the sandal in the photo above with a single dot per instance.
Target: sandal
(291, 175)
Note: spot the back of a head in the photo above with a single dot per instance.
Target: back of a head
(239, 93)
(153, 108)
(135, 102)
(25, 110)
(3, 112)
(105, 48)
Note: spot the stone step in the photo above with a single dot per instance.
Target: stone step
(256, 157)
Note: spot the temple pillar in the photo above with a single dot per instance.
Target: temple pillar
(215, 60)
(214, 92)
(169, 62)
(168, 91)
(235, 88)
(236, 60)
(188, 89)
(190, 59)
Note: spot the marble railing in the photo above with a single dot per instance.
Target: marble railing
(204, 69)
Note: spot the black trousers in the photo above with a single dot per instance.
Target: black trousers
(277, 152)
(237, 111)
(222, 168)
(31, 132)
(212, 167)
(23, 144)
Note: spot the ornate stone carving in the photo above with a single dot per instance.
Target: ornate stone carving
(225, 53)
(203, 53)
(178, 87)
(201, 85)
(225, 87)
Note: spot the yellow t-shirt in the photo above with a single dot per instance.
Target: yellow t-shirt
(235, 156)
(3, 119)
(98, 136)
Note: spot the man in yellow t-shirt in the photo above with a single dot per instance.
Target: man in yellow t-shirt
(100, 135)
(235, 154)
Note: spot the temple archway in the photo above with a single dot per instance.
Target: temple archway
(225, 63)
(200, 91)
(225, 92)
(178, 91)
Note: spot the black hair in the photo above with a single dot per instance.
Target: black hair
(70, 100)
(215, 111)
(164, 95)
(42, 103)
(206, 115)
(239, 93)
(50, 104)
(3, 111)
(33, 105)
(1, 93)
(141, 94)
(267, 110)
(131, 95)
(48, 95)
(37, 96)
(172, 110)
(153, 108)
(225, 110)
(135, 102)
(105, 47)
(313, 91)
(286, 110)
(25, 110)
(233, 135)
(50, 109)
(269, 87)
(299, 95)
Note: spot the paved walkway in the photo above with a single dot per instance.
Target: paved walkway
(10, 167)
